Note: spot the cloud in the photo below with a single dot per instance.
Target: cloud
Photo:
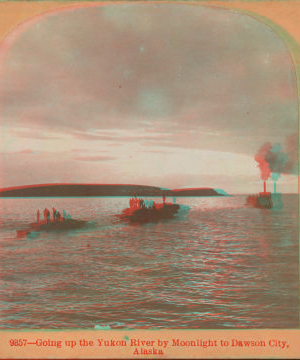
(92, 137)
(137, 136)
(82, 150)
(34, 134)
(175, 66)
(95, 158)
(21, 152)
(156, 151)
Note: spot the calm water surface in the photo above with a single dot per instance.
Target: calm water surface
(219, 265)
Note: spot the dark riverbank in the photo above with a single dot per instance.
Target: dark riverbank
(56, 190)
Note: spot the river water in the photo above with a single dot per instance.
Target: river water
(219, 264)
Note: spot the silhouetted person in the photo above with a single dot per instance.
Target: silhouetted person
(57, 215)
(38, 216)
(64, 214)
(48, 216)
(46, 211)
(54, 213)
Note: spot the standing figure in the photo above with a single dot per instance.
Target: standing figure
(45, 214)
(53, 213)
(64, 214)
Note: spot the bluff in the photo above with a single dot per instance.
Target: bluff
(74, 190)
(198, 192)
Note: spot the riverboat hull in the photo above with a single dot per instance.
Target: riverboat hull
(63, 225)
(153, 214)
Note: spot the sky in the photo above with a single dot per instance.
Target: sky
(168, 95)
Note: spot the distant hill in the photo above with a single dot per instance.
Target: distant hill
(196, 192)
(73, 190)
(222, 192)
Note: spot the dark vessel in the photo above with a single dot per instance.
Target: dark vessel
(150, 214)
(67, 224)
(265, 199)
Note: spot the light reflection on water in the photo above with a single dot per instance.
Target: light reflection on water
(221, 265)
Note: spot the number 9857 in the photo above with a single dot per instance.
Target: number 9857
(17, 342)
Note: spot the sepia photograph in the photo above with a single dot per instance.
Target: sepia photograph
(149, 176)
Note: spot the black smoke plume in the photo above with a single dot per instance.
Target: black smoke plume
(274, 160)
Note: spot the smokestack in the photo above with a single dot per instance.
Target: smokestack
(274, 187)
(265, 187)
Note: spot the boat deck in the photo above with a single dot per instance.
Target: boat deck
(63, 225)
(144, 214)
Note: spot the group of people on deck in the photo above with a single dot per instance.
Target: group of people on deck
(56, 216)
(143, 203)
